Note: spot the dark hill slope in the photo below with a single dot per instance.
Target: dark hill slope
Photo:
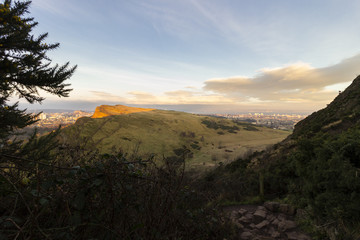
(342, 113)
(341, 116)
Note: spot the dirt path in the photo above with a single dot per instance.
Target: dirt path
(265, 222)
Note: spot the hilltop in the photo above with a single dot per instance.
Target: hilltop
(209, 140)
(107, 110)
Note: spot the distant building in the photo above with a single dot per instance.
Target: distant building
(42, 116)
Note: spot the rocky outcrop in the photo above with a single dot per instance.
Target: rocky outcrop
(107, 110)
(270, 221)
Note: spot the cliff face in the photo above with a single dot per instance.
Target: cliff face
(107, 110)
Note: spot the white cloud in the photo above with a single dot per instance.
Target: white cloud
(106, 96)
(297, 86)
(177, 97)
(297, 82)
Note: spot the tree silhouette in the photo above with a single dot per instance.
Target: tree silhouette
(24, 66)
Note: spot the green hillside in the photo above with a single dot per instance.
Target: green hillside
(165, 133)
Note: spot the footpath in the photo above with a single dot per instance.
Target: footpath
(269, 221)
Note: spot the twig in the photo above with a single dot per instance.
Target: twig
(13, 211)
(22, 197)
(17, 226)
(41, 163)
(326, 224)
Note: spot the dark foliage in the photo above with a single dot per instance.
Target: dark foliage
(47, 194)
(216, 125)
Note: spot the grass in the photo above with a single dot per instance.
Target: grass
(160, 132)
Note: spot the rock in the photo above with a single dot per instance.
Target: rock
(244, 219)
(249, 216)
(270, 217)
(282, 217)
(287, 209)
(272, 206)
(259, 215)
(275, 222)
(246, 236)
(234, 215)
(286, 225)
(297, 236)
(262, 224)
(275, 234)
(262, 208)
(242, 212)
(255, 232)
(239, 225)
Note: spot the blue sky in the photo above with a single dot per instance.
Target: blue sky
(203, 55)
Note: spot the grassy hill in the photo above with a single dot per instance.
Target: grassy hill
(165, 133)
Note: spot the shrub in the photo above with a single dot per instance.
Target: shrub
(48, 192)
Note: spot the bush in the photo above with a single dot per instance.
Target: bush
(67, 193)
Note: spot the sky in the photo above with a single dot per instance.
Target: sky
(203, 56)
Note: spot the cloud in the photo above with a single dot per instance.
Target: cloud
(102, 95)
(180, 94)
(177, 97)
(139, 97)
(295, 83)
(297, 87)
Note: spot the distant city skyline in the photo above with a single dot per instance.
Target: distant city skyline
(52, 119)
(202, 56)
(203, 109)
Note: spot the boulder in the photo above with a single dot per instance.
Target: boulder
(244, 219)
(272, 206)
(246, 235)
(249, 216)
(252, 226)
(242, 211)
(261, 208)
(275, 222)
(262, 224)
(270, 217)
(275, 234)
(239, 225)
(297, 236)
(286, 225)
(287, 209)
(259, 215)
(282, 217)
